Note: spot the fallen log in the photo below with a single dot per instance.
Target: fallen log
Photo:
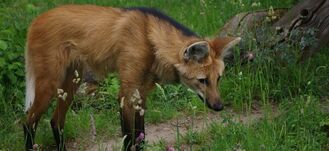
(305, 26)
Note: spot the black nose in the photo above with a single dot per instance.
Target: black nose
(218, 107)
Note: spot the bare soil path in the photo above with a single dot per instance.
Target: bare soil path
(167, 131)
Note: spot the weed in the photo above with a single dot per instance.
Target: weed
(297, 88)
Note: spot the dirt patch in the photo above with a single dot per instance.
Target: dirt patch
(167, 131)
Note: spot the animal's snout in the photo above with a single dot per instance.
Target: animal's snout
(218, 106)
(215, 106)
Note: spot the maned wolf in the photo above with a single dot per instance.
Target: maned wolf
(143, 45)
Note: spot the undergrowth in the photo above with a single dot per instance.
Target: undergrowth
(299, 89)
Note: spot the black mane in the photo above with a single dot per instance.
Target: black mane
(152, 11)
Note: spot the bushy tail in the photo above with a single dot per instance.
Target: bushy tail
(30, 83)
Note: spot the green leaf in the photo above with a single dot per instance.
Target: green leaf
(3, 45)
(30, 8)
(12, 77)
(2, 62)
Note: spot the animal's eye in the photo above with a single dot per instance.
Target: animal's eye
(204, 81)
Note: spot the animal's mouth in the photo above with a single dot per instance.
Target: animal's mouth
(217, 107)
(204, 101)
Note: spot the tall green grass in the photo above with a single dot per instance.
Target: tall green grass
(260, 83)
(297, 127)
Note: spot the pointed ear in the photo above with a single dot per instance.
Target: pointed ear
(222, 45)
(197, 51)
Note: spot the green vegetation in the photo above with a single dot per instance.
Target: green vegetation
(297, 128)
(299, 90)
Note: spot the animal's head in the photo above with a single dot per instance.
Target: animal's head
(202, 66)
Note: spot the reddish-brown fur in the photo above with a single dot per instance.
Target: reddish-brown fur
(143, 49)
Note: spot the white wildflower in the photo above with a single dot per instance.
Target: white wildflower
(141, 112)
(277, 28)
(76, 80)
(60, 91)
(64, 96)
(274, 17)
(140, 101)
(137, 107)
(132, 99)
(136, 94)
(122, 102)
(82, 88)
(255, 4)
(267, 19)
(76, 73)
(271, 11)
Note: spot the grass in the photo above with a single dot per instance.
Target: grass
(300, 90)
(296, 128)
